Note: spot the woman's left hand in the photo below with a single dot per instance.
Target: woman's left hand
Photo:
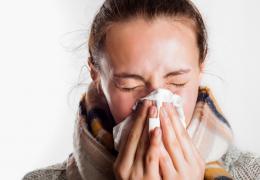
(178, 146)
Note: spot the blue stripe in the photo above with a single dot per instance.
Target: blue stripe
(204, 97)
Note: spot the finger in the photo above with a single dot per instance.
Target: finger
(181, 133)
(127, 154)
(199, 159)
(167, 168)
(171, 142)
(144, 141)
(153, 154)
(141, 151)
(190, 152)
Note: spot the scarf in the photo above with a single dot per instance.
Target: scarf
(210, 131)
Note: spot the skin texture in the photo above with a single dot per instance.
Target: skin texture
(158, 54)
(150, 50)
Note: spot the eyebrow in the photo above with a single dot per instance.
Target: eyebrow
(138, 77)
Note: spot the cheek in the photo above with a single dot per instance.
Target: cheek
(120, 103)
(189, 95)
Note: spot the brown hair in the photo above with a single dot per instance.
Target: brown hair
(122, 10)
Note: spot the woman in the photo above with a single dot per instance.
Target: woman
(136, 47)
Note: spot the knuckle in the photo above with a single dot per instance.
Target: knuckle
(120, 171)
(154, 143)
(164, 158)
(122, 175)
(135, 175)
(132, 135)
(141, 143)
(150, 157)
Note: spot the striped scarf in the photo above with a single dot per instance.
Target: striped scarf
(209, 130)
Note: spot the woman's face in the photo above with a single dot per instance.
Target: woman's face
(142, 56)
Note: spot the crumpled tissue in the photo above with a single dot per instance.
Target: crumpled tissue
(121, 130)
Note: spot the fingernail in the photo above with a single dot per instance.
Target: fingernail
(164, 112)
(152, 112)
(157, 132)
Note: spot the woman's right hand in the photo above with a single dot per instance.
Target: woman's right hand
(139, 156)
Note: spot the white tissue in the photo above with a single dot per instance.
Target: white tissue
(121, 130)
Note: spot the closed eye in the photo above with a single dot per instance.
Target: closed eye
(178, 85)
(130, 89)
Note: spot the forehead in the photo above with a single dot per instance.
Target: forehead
(140, 45)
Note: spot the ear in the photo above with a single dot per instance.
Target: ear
(202, 68)
(94, 73)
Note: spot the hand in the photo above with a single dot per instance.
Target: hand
(186, 160)
(137, 159)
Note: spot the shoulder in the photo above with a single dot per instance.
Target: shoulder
(242, 165)
(53, 172)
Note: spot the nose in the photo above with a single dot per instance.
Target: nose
(153, 85)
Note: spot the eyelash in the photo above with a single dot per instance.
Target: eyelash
(128, 89)
(178, 85)
(132, 89)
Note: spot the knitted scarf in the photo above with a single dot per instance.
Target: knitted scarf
(210, 131)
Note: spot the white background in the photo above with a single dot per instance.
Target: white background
(39, 65)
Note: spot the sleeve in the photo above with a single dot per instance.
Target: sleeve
(54, 172)
(242, 165)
